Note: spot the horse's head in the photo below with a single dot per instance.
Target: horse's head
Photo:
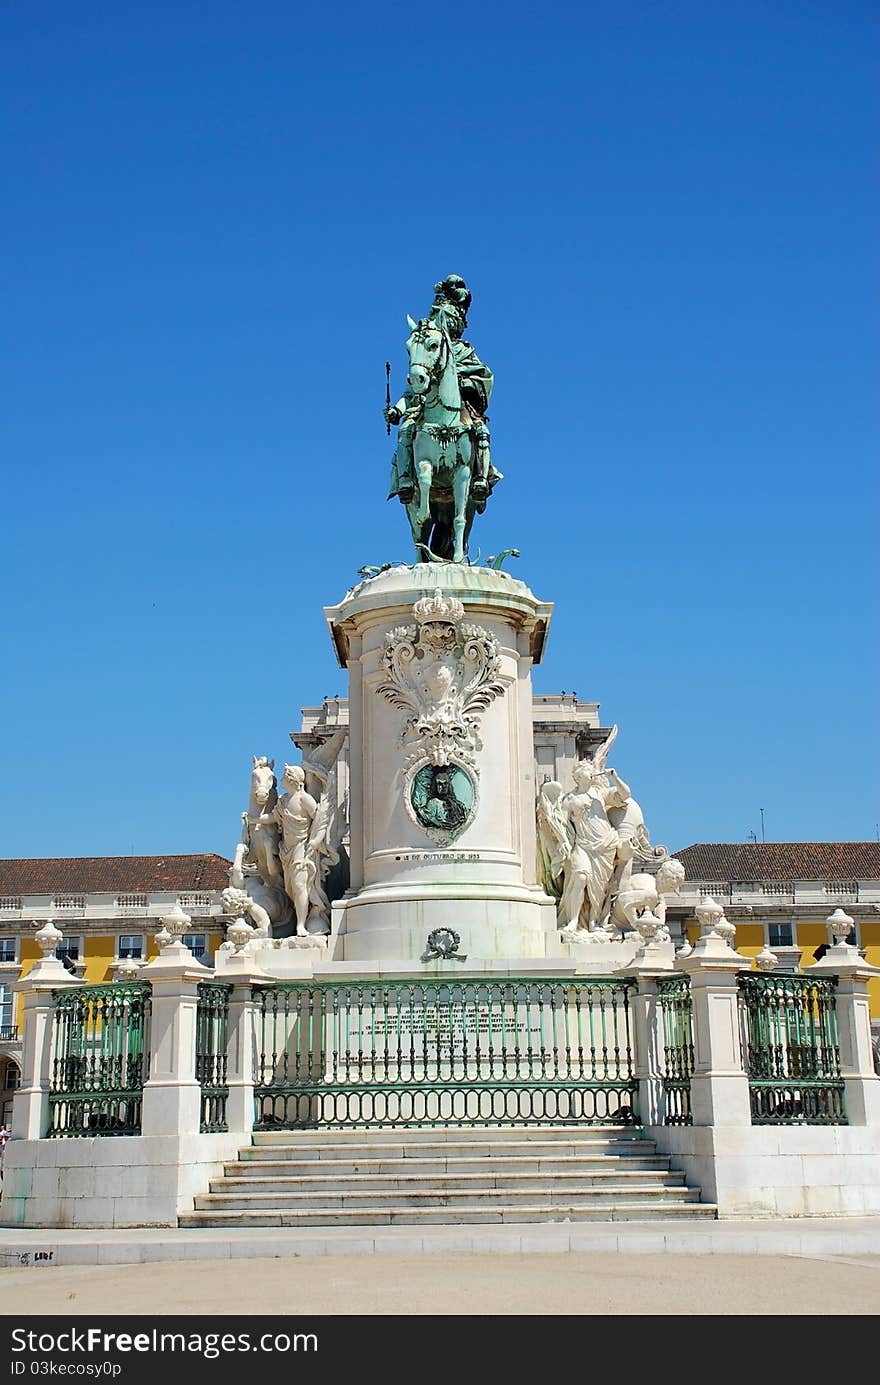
(263, 779)
(427, 348)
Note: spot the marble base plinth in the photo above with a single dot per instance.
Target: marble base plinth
(387, 921)
(477, 947)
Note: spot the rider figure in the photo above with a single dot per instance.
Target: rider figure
(452, 298)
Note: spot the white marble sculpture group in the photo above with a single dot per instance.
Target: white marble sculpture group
(590, 840)
(289, 843)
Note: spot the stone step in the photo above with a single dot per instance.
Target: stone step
(446, 1176)
(437, 1134)
(489, 1149)
(332, 1168)
(476, 1214)
(449, 1182)
(432, 1196)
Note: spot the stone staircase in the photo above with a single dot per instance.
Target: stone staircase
(446, 1176)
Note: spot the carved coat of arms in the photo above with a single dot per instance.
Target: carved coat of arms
(442, 673)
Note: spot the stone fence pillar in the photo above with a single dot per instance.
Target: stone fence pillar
(648, 967)
(853, 1026)
(242, 1047)
(719, 1084)
(30, 1107)
(172, 1094)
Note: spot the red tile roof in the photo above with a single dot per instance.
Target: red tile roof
(746, 861)
(113, 874)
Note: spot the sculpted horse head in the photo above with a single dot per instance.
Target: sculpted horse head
(432, 364)
(260, 830)
(264, 791)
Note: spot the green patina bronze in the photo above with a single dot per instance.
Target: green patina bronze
(441, 469)
(792, 1049)
(444, 1052)
(100, 1060)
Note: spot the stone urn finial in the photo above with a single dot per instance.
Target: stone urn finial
(766, 960)
(48, 937)
(128, 969)
(840, 925)
(726, 930)
(173, 926)
(239, 934)
(647, 926)
(708, 912)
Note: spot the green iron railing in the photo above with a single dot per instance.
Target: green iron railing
(100, 1059)
(212, 1014)
(466, 1052)
(676, 1009)
(792, 1052)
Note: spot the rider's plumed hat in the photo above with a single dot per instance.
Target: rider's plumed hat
(452, 298)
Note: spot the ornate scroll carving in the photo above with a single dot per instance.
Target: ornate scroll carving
(442, 673)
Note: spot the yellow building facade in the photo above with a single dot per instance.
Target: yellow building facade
(108, 910)
(780, 894)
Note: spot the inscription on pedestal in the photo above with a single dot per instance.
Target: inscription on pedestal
(438, 856)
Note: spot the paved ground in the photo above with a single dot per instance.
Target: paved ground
(808, 1266)
(615, 1284)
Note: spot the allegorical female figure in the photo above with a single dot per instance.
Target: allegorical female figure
(295, 812)
(594, 843)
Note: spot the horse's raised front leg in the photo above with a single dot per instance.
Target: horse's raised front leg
(461, 479)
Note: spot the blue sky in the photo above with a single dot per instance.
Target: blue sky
(217, 217)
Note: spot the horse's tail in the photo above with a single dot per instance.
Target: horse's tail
(433, 557)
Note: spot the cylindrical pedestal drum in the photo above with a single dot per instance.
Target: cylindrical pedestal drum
(442, 773)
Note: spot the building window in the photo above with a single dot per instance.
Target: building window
(131, 901)
(193, 901)
(197, 944)
(130, 945)
(780, 934)
(69, 901)
(7, 1026)
(11, 1083)
(10, 901)
(8, 950)
(71, 948)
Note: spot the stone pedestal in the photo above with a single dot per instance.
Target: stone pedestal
(30, 1107)
(854, 1030)
(241, 972)
(719, 1085)
(405, 880)
(172, 1095)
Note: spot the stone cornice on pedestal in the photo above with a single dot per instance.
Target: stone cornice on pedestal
(844, 960)
(482, 591)
(659, 960)
(46, 975)
(175, 962)
(240, 969)
(713, 954)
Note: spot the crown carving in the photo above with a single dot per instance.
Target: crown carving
(439, 608)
